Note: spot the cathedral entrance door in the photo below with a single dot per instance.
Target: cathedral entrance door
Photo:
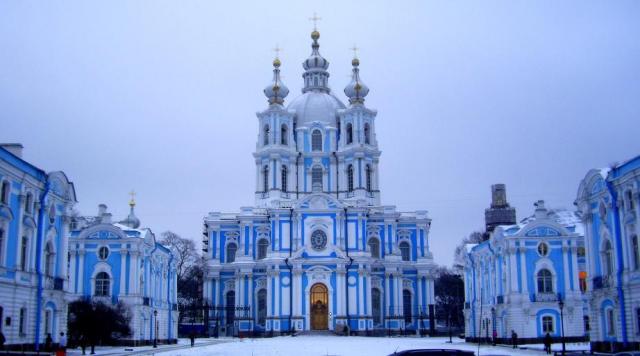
(319, 300)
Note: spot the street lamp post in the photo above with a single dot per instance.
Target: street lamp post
(155, 338)
(561, 306)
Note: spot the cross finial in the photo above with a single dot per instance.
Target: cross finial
(355, 51)
(315, 20)
(132, 202)
(277, 49)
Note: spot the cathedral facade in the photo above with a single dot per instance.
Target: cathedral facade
(318, 251)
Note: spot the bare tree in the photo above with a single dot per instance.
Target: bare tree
(184, 250)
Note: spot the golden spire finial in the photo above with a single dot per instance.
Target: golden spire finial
(276, 61)
(132, 202)
(315, 20)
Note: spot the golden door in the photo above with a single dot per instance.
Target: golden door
(319, 307)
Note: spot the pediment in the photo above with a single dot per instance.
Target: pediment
(319, 201)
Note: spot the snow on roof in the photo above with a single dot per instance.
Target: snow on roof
(470, 247)
(569, 219)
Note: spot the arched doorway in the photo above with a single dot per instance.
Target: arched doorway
(319, 307)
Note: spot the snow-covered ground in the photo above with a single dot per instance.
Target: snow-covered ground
(337, 345)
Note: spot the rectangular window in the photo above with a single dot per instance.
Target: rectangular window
(638, 321)
(587, 327)
(47, 322)
(547, 324)
(23, 253)
(1, 246)
(611, 324)
(22, 327)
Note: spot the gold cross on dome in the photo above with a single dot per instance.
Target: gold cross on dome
(355, 51)
(315, 20)
(132, 193)
(277, 50)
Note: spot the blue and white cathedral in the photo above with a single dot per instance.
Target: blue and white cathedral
(318, 251)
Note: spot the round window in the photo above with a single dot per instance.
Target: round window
(103, 252)
(543, 249)
(318, 240)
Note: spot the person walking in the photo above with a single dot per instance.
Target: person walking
(192, 337)
(2, 341)
(62, 348)
(547, 343)
(495, 337)
(48, 341)
(514, 339)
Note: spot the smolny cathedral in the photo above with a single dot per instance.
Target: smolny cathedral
(318, 251)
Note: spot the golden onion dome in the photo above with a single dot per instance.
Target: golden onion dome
(315, 35)
(355, 62)
(276, 62)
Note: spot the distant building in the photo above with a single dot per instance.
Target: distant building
(122, 262)
(34, 221)
(515, 280)
(318, 251)
(609, 200)
(500, 212)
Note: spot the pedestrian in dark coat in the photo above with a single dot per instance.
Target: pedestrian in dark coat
(514, 339)
(547, 343)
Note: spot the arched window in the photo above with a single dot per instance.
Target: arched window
(263, 246)
(607, 258)
(635, 252)
(283, 135)
(374, 247)
(316, 140)
(350, 178)
(316, 178)
(6, 188)
(24, 250)
(349, 133)
(405, 251)
(406, 306)
(367, 133)
(376, 309)
(28, 202)
(231, 252)
(547, 324)
(545, 284)
(265, 179)
(102, 284)
(48, 259)
(283, 178)
(368, 177)
(266, 135)
(262, 307)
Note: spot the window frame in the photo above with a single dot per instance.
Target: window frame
(317, 177)
(374, 240)
(408, 249)
(284, 178)
(102, 285)
(5, 192)
(543, 249)
(227, 254)
(547, 322)
(367, 133)
(544, 281)
(284, 134)
(316, 140)
(102, 255)
(260, 253)
(349, 133)
(266, 132)
(350, 177)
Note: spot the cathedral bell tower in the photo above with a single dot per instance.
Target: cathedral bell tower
(275, 149)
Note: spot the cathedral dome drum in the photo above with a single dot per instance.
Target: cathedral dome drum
(316, 106)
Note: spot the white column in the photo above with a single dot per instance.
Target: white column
(123, 270)
(523, 269)
(133, 272)
(387, 294)
(340, 290)
(74, 272)
(270, 296)
(362, 292)
(277, 296)
(297, 277)
(81, 271)
(369, 310)
(419, 284)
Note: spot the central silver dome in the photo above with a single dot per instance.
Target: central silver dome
(316, 106)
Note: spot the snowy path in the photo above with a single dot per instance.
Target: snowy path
(343, 346)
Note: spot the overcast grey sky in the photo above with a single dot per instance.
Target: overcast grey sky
(161, 97)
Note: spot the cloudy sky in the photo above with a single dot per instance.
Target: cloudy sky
(161, 97)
